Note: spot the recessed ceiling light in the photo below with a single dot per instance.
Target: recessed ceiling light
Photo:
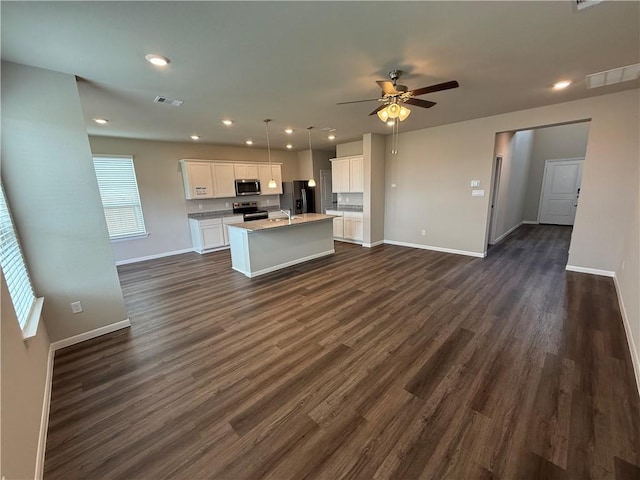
(288, 130)
(561, 85)
(289, 146)
(249, 142)
(227, 122)
(195, 137)
(101, 121)
(331, 137)
(157, 60)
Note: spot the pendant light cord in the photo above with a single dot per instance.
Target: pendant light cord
(266, 127)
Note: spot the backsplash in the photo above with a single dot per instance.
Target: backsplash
(350, 199)
(220, 204)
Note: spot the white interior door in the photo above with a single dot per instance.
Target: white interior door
(560, 191)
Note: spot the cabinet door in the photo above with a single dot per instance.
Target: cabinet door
(245, 171)
(265, 174)
(338, 227)
(198, 182)
(353, 228)
(212, 236)
(276, 172)
(356, 174)
(223, 180)
(340, 175)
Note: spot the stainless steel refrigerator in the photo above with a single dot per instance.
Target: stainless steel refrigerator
(298, 197)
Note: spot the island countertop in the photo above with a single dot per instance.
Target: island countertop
(271, 223)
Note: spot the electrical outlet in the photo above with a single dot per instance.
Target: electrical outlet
(226, 204)
(423, 232)
(623, 263)
(268, 201)
(76, 307)
(347, 199)
(199, 206)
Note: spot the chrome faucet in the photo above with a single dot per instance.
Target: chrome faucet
(287, 213)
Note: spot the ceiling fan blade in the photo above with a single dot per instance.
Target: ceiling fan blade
(387, 87)
(434, 88)
(420, 103)
(378, 109)
(358, 101)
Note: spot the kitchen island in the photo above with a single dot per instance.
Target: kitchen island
(264, 246)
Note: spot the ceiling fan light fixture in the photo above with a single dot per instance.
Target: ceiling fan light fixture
(383, 114)
(404, 113)
(393, 110)
(391, 123)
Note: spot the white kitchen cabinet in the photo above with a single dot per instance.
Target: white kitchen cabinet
(266, 173)
(246, 171)
(338, 227)
(224, 180)
(227, 221)
(356, 174)
(206, 234)
(353, 228)
(340, 175)
(198, 180)
(347, 174)
(207, 179)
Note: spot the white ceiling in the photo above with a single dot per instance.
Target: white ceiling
(293, 61)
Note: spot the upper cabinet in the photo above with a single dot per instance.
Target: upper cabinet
(246, 171)
(203, 179)
(265, 174)
(223, 180)
(198, 180)
(347, 174)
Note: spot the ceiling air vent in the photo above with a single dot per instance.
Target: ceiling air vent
(581, 4)
(615, 75)
(169, 101)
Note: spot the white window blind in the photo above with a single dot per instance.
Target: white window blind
(13, 266)
(120, 198)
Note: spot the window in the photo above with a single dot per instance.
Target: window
(16, 274)
(120, 198)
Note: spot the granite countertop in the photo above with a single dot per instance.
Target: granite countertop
(347, 208)
(215, 214)
(261, 225)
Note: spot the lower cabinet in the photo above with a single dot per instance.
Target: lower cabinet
(211, 233)
(347, 225)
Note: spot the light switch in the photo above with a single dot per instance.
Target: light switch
(393, 185)
(477, 193)
(475, 183)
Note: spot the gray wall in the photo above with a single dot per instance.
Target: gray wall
(162, 193)
(23, 376)
(561, 141)
(348, 149)
(51, 186)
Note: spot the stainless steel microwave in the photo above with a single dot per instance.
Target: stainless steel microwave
(247, 187)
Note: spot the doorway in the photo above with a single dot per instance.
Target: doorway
(328, 199)
(560, 191)
(495, 186)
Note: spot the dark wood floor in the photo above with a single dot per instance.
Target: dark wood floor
(383, 363)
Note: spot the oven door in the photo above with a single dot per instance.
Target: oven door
(247, 187)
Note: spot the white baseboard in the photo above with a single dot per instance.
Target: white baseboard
(152, 257)
(67, 342)
(373, 244)
(590, 271)
(44, 418)
(437, 249)
(530, 222)
(635, 359)
(285, 265)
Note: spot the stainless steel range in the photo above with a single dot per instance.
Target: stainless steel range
(249, 211)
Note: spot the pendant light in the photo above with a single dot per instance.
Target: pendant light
(272, 182)
(312, 182)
